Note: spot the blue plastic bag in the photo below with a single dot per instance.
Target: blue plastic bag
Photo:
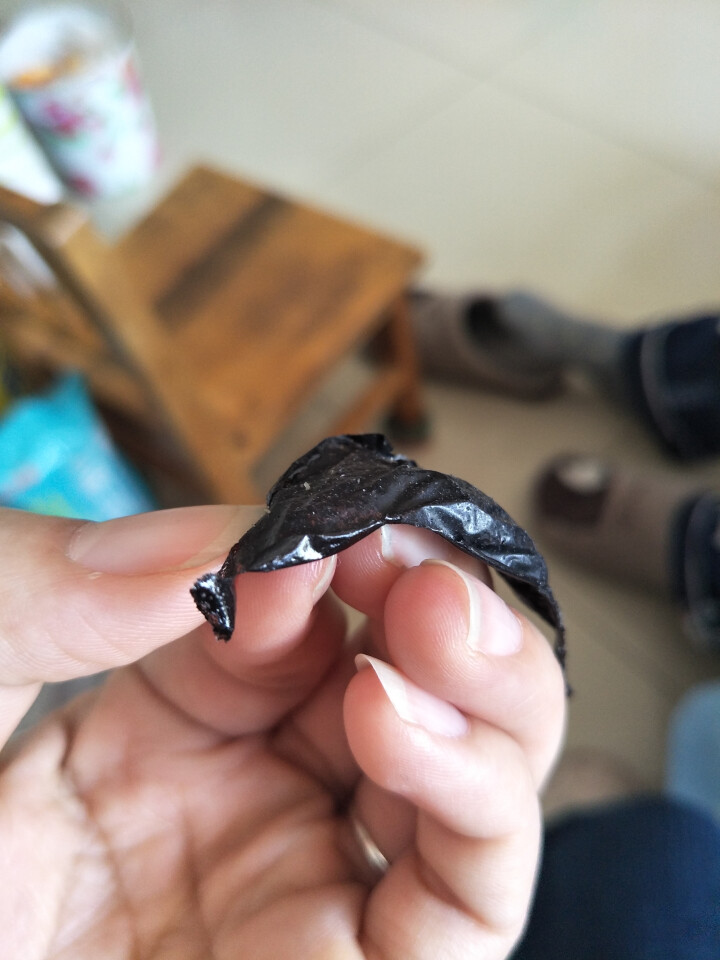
(56, 457)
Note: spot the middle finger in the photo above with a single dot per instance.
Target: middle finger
(444, 628)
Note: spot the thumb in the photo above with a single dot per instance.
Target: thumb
(79, 597)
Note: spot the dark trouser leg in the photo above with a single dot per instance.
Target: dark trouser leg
(673, 375)
(639, 880)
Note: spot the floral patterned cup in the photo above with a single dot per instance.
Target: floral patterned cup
(71, 67)
(23, 168)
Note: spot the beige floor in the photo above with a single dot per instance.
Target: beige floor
(571, 148)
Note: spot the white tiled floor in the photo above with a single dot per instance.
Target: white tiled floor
(572, 148)
(642, 73)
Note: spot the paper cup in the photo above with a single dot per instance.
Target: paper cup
(72, 69)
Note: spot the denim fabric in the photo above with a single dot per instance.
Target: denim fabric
(673, 373)
(693, 757)
(637, 880)
(695, 559)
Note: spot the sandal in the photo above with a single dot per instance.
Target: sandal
(651, 529)
(482, 354)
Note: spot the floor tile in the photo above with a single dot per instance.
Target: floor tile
(471, 36)
(616, 710)
(645, 74)
(285, 93)
(500, 193)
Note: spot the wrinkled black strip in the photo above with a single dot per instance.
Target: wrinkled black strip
(348, 486)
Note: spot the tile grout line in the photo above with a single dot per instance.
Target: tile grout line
(493, 78)
(382, 143)
(526, 41)
(662, 162)
(368, 23)
(466, 83)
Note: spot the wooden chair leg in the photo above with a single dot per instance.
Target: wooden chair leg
(408, 418)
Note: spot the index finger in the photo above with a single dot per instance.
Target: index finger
(79, 597)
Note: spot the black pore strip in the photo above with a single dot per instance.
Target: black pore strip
(348, 486)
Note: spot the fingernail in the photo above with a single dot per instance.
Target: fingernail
(166, 540)
(326, 576)
(492, 626)
(407, 546)
(414, 705)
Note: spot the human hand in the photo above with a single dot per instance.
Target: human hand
(200, 803)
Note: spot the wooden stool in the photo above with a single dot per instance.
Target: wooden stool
(211, 324)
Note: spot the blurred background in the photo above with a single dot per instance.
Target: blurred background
(571, 149)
